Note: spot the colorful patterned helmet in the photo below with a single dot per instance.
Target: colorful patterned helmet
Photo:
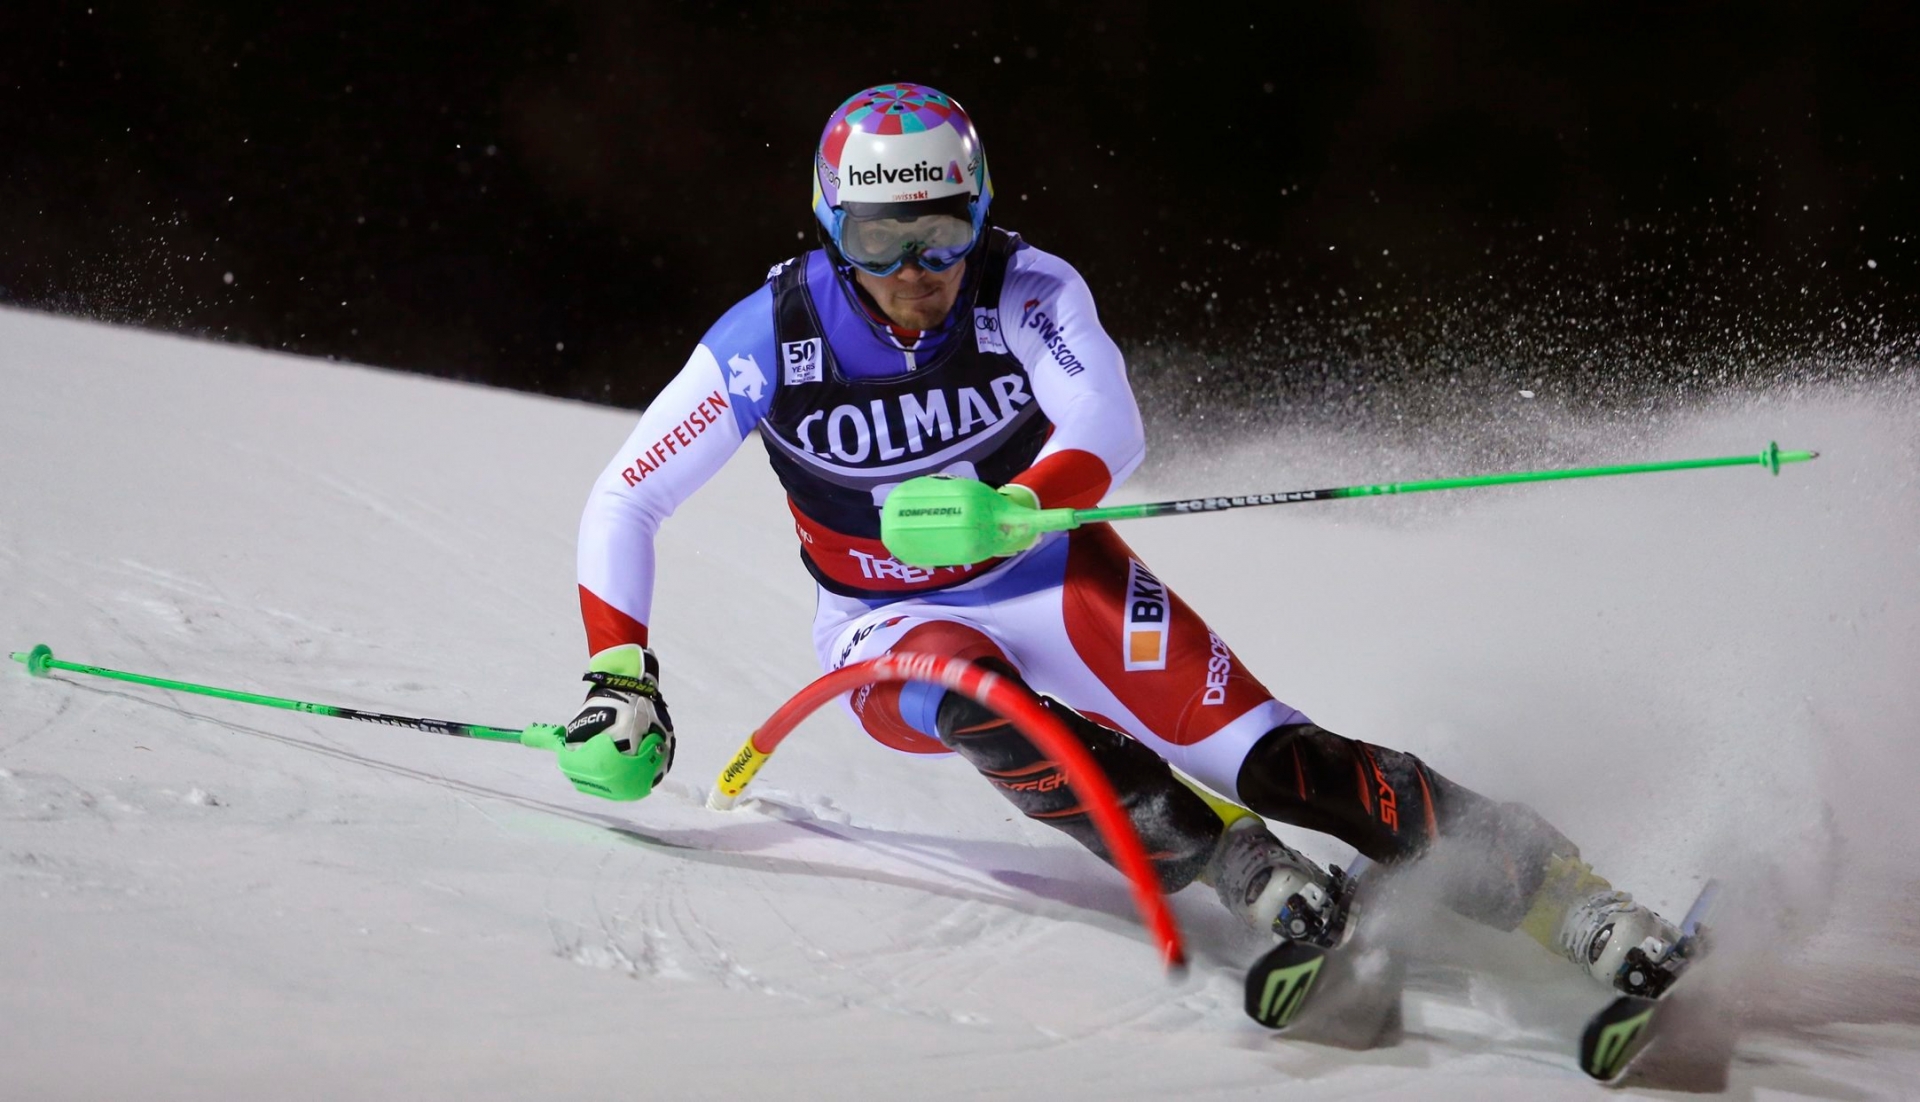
(892, 155)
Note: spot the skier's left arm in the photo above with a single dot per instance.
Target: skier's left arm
(1080, 380)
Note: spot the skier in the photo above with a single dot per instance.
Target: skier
(922, 339)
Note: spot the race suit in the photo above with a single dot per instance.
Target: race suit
(1026, 388)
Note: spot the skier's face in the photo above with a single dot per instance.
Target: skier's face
(912, 297)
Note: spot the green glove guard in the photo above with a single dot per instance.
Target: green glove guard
(597, 768)
(939, 520)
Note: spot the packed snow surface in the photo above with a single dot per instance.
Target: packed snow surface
(1709, 673)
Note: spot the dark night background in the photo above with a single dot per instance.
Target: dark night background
(1286, 200)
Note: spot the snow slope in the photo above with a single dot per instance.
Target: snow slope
(1692, 674)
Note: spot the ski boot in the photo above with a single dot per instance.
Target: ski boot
(1621, 943)
(1314, 972)
(1621, 1030)
(1271, 886)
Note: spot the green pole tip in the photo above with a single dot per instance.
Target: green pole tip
(39, 660)
(1774, 458)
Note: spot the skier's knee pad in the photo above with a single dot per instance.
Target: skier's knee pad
(1176, 825)
(1384, 802)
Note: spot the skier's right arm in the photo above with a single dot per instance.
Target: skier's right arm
(686, 435)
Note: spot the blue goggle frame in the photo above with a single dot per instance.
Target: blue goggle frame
(932, 259)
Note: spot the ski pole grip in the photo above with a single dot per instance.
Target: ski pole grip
(938, 520)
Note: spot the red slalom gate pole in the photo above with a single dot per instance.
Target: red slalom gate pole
(1028, 715)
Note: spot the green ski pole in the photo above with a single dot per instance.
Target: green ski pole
(595, 767)
(941, 521)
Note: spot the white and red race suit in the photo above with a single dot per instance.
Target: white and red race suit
(1021, 385)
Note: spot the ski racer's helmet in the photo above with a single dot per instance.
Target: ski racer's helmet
(900, 174)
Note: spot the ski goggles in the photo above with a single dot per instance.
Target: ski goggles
(884, 236)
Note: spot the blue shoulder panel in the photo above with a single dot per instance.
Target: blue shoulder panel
(743, 341)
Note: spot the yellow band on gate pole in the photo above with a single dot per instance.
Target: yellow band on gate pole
(739, 772)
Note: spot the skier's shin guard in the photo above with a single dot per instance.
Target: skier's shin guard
(1390, 806)
(1176, 825)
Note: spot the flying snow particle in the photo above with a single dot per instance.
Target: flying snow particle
(227, 278)
(1873, 263)
(1526, 394)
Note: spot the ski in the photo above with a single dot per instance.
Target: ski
(1280, 981)
(1616, 1036)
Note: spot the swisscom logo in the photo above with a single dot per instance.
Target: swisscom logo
(1052, 335)
(926, 172)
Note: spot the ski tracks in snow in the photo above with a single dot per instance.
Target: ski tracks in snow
(826, 914)
(836, 936)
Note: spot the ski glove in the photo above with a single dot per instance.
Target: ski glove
(625, 705)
